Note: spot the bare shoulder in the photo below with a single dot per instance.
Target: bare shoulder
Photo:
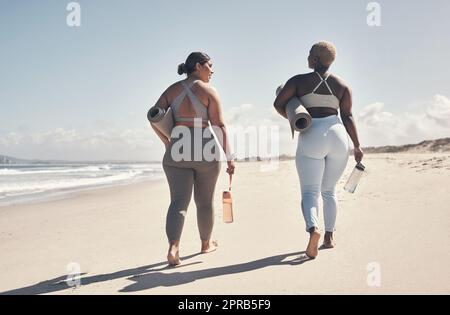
(300, 82)
(298, 79)
(203, 85)
(206, 88)
(339, 81)
(173, 89)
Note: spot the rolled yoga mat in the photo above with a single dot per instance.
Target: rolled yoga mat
(298, 116)
(161, 120)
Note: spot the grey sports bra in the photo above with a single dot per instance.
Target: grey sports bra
(318, 100)
(201, 110)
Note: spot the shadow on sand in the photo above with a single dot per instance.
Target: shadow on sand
(152, 276)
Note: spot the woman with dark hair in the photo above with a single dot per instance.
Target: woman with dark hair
(322, 151)
(188, 166)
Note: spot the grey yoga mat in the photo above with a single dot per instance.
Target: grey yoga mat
(298, 116)
(161, 120)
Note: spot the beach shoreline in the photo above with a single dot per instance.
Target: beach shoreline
(59, 195)
(33, 183)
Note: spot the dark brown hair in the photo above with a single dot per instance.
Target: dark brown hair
(189, 66)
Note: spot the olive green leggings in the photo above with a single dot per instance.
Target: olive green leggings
(183, 177)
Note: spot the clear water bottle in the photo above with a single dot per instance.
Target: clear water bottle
(356, 175)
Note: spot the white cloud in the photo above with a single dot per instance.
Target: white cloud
(439, 110)
(378, 126)
(62, 144)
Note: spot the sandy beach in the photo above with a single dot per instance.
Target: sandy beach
(393, 236)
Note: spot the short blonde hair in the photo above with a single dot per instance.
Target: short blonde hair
(325, 51)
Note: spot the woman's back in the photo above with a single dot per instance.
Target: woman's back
(306, 83)
(189, 100)
(322, 94)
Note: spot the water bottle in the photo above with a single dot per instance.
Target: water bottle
(356, 175)
(227, 202)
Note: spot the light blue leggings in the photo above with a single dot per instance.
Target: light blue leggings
(322, 156)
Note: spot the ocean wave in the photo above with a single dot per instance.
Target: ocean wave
(80, 169)
(10, 189)
(49, 171)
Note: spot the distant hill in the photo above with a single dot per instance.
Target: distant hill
(11, 160)
(439, 145)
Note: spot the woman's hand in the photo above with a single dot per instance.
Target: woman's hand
(359, 154)
(230, 169)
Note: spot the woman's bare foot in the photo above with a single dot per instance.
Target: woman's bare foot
(313, 246)
(209, 247)
(328, 241)
(173, 257)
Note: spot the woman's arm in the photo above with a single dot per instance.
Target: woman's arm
(349, 122)
(217, 121)
(286, 94)
(164, 104)
(162, 137)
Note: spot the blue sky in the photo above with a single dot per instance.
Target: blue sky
(83, 93)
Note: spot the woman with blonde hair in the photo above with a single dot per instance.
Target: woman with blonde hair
(322, 151)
